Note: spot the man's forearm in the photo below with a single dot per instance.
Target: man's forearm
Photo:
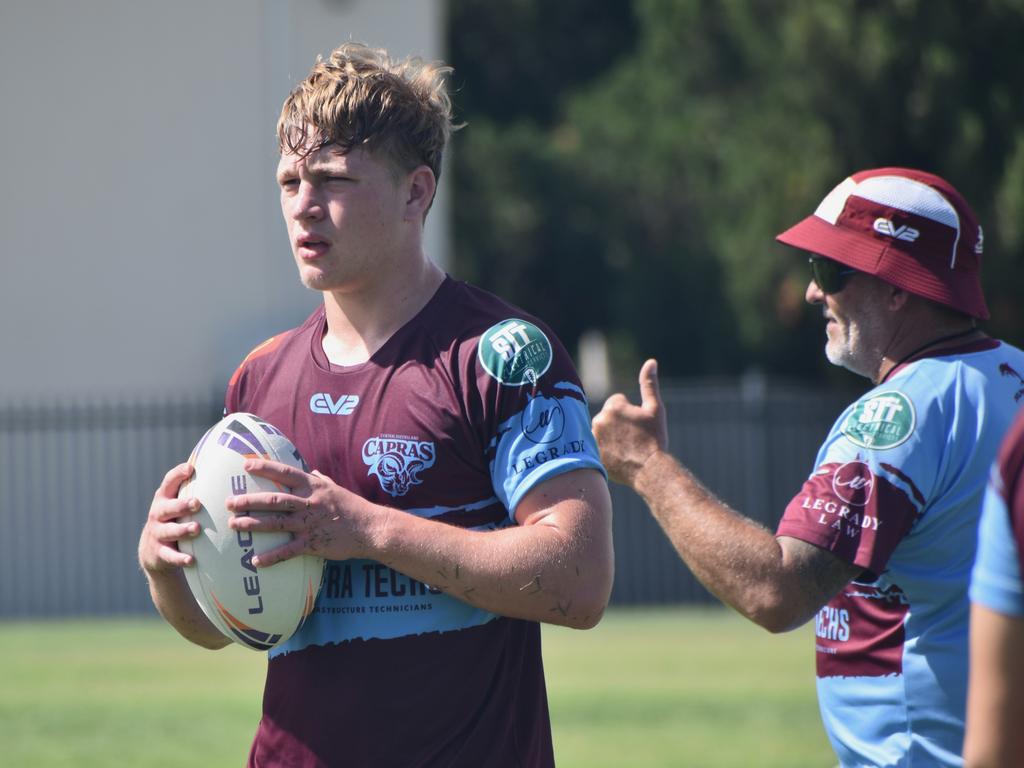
(739, 561)
(557, 570)
(173, 599)
(534, 572)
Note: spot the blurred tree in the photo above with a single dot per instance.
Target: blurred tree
(520, 59)
(639, 192)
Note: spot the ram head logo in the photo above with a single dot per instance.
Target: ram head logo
(395, 478)
(397, 462)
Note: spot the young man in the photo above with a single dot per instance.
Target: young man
(878, 544)
(457, 496)
(995, 699)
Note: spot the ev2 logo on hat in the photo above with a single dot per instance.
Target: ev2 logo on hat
(885, 227)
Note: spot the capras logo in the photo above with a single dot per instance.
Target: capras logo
(397, 461)
(322, 402)
(886, 227)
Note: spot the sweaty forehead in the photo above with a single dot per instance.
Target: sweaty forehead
(330, 154)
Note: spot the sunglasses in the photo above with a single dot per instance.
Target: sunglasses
(829, 275)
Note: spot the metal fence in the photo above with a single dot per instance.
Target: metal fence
(75, 486)
(752, 442)
(76, 482)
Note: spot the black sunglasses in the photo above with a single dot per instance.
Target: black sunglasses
(829, 275)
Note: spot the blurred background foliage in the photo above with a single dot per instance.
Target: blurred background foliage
(626, 165)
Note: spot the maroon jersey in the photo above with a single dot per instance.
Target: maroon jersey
(462, 412)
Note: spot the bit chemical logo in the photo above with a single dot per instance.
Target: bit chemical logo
(397, 461)
(515, 352)
(882, 421)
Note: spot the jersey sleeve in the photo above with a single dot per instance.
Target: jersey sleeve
(996, 578)
(537, 417)
(996, 581)
(234, 396)
(871, 482)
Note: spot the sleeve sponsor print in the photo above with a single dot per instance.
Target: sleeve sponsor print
(852, 511)
(548, 436)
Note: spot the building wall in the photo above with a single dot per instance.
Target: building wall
(142, 252)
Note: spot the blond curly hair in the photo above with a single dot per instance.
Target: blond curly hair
(360, 97)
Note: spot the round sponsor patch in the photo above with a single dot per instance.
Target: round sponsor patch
(882, 421)
(515, 352)
(853, 483)
(543, 420)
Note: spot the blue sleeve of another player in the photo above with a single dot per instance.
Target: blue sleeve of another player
(996, 580)
(549, 436)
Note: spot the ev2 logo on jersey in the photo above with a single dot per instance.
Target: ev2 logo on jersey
(886, 227)
(322, 402)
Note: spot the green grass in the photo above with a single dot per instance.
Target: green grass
(683, 687)
(679, 687)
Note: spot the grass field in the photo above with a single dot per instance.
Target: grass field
(679, 687)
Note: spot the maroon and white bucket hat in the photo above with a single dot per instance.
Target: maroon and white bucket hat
(909, 228)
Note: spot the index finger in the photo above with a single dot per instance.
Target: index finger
(172, 481)
(277, 472)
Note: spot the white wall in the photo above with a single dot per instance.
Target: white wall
(141, 247)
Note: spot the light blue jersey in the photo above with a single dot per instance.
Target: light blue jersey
(996, 582)
(897, 490)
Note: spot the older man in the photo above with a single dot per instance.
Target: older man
(878, 544)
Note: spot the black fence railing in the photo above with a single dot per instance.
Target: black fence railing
(75, 486)
(76, 482)
(750, 441)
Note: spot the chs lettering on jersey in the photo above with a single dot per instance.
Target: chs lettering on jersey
(897, 490)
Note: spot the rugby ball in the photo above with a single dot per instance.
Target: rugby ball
(259, 609)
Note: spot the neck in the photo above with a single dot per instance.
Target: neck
(932, 338)
(361, 320)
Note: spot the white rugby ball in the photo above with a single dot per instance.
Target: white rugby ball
(261, 608)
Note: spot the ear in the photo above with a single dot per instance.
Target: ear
(897, 298)
(420, 188)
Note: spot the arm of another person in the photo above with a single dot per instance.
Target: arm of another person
(556, 566)
(995, 699)
(162, 561)
(776, 582)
